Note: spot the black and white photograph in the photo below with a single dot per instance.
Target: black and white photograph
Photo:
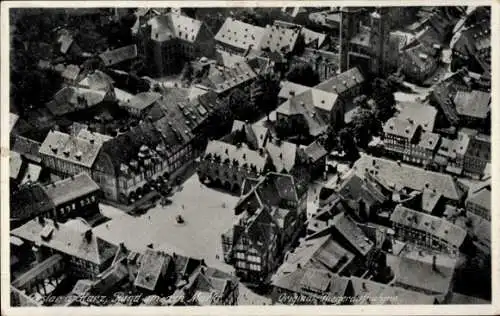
(248, 155)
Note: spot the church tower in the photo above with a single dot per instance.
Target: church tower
(380, 34)
(349, 26)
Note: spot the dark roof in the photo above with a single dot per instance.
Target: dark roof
(72, 188)
(143, 100)
(221, 80)
(26, 147)
(119, 55)
(29, 202)
(352, 233)
(315, 151)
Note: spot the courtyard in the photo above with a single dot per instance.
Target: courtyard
(206, 212)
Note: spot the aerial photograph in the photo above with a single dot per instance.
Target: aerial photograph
(201, 156)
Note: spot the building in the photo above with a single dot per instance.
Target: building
(67, 155)
(309, 114)
(324, 62)
(271, 214)
(238, 37)
(141, 103)
(347, 85)
(477, 155)
(479, 201)
(369, 292)
(423, 114)
(290, 89)
(419, 62)
(76, 196)
(312, 39)
(28, 203)
(366, 47)
(471, 46)
(85, 254)
(434, 279)
(224, 81)
(172, 39)
(403, 179)
(119, 55)
(427, 230)
(473, 107)
(310, 286)
(76, 100)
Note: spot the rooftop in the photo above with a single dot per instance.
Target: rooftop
(119, 55)
(279, 39)
(342, 82)
(72, 188)
(240, 35)
(352, 233)
(402, 175)
(143, 100)
(152, 263)
(66, 239)
(29, 202)
(473, 104)
(400, 127)
(72, 99)
(290, 89)
(177, 26)
(243, 155)
(70, 148)
(423, 115)
(430, 224)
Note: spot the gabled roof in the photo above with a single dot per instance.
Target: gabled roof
(143, 100)
(67, 240)
(282, 153)
(71, 72)
(429, 140)
(288, 88)
(152, 263)
(119, 55)
(26, 147)
(97, 137)
(421, 275)
(73, 99)
(430, 224)
(70, 148)
(29, 202)
(97, 80)
(243, 154)
(72, 188)
(342, 82)
(481, 197)
(315, 151)
(177, 26)
(400, 127)
(406, 176)
(221, 80)
(279, 39)
(240, 35)
(473, 104)
(423, 115)
(352, 234)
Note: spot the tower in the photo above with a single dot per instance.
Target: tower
(380, 33)
(349, 26)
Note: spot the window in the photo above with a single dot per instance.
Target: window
(255, 267)
(241, 264)
(240, 255)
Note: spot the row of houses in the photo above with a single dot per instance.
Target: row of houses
(71, 251)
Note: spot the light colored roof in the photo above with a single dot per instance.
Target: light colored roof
(279, 39)
(288, 87)
(15, 163)
(407, 176)
(172, 25)
(97, 80)
(420, 275)
(72, 99)
(422, 114)
(222, 80)
(429, 140)
(400, 127)
(342, 82)
(71, 72)
(70, 148)
(72, 188)
(242, 155)
(282, 154)
(68, 240)
(430, 224)
(119, 55)
(32, 173)
(143, 100)
(240, 35)
(473, 104)
(88, 135)
(352, 233)
(150, 269)
(12, 120)
(369, 292)
(481, 197)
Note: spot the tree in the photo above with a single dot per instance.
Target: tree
(348, 144)
(303, 74)
(363, 126)
(240, 104)
(383, 95)
(187, 72)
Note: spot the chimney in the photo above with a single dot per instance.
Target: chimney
(292, 93)
(299, 266)
(150, 246)
(41, 220)
(364, 286)
(399, 163)
(88, 235)
(434, 266)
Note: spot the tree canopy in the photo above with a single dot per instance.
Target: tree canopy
(303, 74)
